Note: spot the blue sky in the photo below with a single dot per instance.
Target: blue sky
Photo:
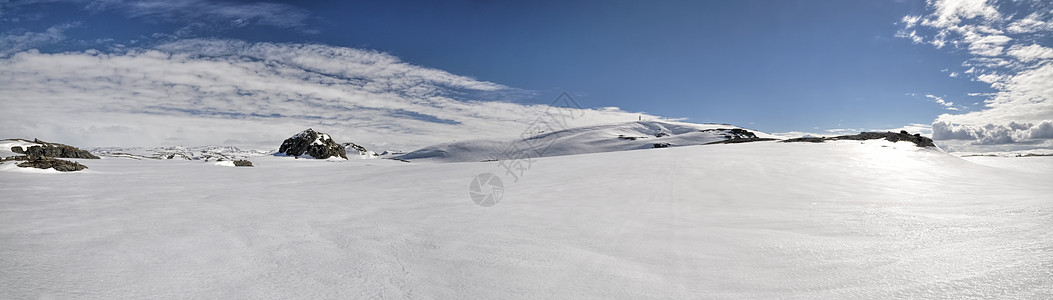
(775, 66)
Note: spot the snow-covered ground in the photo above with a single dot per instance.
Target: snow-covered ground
(842, 219)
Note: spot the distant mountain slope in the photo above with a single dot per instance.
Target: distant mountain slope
(203, 153)
(588, 139)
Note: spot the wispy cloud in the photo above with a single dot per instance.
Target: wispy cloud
(208, 91)
(12, 42)
(1002, 37)
(939, 100)
(197, 14)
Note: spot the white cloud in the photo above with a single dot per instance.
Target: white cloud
(948, 131)
(990, 78)
(946, 104)
(990, 45)
(12, 43)
(912, 35)
(197, 92)
(1007, 56)
(1043, 130)
(1030, 53)
(951, 12)
(1029, 24)
(989, 134)
(910, 21)
(987, 63)
(993, 134)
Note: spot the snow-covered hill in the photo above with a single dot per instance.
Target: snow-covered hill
(835, 220)
(588, 139)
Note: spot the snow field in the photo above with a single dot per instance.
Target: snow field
(843, 219)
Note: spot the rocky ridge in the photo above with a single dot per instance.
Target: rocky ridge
(44, 155)
(903, 135)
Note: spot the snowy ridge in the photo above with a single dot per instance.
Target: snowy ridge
(589, 139)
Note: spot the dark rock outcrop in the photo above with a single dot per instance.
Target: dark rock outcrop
(19, 157)
(736, 135)
(45, 155)
(733, 133)
(806, 139)
(630, 138)
(52, 150)
(741, 140)
(316, 144)
(57, 164)
(242, 163)
(917, 139)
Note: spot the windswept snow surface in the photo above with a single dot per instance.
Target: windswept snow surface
(841, 220)
(579, 140)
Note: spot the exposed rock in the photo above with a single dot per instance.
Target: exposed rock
(806, 139)
(630, 138)
(316, 144)
(57, 164)
(741, 140)
(242, 163)
(44, 156)
(733, 133)
(917, 139)
(660, 145)
(18, 157)
(358, 148)
(392, 152)
(53, 150)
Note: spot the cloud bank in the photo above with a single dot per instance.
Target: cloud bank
(1008, 43)
(209, 91)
